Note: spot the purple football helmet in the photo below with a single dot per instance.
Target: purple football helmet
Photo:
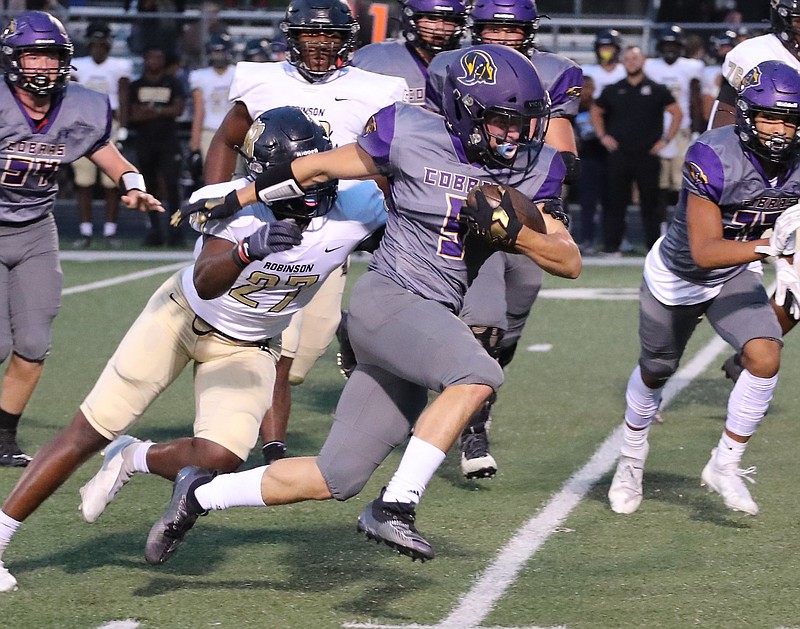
(426, 38)
(494, 82)
(771, 87)
(36, 31)
(520, 13)
(781, 13)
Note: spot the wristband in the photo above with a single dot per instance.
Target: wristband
(132, 180)
(239, 255)
(278, 183)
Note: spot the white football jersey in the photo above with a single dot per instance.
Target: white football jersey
(103, 77)
(749, 53)
(603, 78)
(677, 77)
(214, 88)
(343, 102)
(712, 76)
(268, 292)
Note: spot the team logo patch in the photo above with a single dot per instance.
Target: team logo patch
(696, 173)
(574, 92)
(371, 125)
(751, 79)
(479, 67)
(253, 133)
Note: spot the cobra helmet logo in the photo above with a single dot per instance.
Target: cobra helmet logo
(478, 67)
(751, 79)
(253, 133)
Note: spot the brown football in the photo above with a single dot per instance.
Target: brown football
(526, 211)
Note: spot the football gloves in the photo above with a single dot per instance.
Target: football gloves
(782, 239)
(787, 288)
(207, 209)
(499, 226)
(270, 238)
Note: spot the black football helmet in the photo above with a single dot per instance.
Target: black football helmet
(609, 37)
(781, 13)
(281, 135)
(319, 16)
(36, 31)
(671, 43)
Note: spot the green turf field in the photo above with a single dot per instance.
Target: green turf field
(537, 546)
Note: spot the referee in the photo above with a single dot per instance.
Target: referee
(628, 118)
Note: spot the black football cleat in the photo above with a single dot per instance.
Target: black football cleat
(180, 516)
(733, 367)
(393, 524)
(10, 453)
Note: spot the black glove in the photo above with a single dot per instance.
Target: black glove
(269, 238)
(221, 207)
(496, 224)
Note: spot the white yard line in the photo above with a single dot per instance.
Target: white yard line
(120, 624)
(122, 279)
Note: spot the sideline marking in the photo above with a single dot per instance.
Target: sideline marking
(121, 624)
(122, 279)
(474, 606)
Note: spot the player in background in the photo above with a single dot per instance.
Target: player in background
(739, 181)
(41, 107)
(500, 299)
(401, 319)
(682, 76)
(720, 44)
(782, 44)
(429, 27)
(110, 75)
(317, 78)
(224, 313)
(210, 87)
(593, 180)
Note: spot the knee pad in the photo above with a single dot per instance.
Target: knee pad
(489, 337)
(659, 368)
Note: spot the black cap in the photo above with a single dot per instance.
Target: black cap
(98, 30)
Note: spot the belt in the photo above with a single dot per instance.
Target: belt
(24, 223)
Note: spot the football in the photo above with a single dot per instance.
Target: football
(527, 213)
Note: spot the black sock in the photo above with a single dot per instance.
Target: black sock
(9, 421)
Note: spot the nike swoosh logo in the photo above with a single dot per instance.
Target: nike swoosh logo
(339, 99)
(334, 249)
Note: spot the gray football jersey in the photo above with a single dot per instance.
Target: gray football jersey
(719, 170)
(430, 177)
(561, 77)
(396, 58)
(79, 123)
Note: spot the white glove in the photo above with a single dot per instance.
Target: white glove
(787, 279)
(782, 239)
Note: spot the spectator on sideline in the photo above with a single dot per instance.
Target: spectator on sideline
(628, 119)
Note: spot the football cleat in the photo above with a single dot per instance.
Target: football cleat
(114, 473)
(625, 493)
(10, 453)
(273, 451)
(345, 357)
(476, 461)
(168, 532)
(7, 581)
(393, 524)
(728, 482)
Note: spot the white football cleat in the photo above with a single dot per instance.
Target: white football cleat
(625, 493)
(7, 581)
(115, 471)
(728, 482)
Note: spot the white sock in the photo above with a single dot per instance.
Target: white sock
(641, 401)
(242, 489)
(729, 451)
(139, 451)
(419, 463)
(634, 442)
(749, 402)
(86, 230)
(8, 526)
(109, 230)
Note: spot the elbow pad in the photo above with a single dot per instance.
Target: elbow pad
(573, 164)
